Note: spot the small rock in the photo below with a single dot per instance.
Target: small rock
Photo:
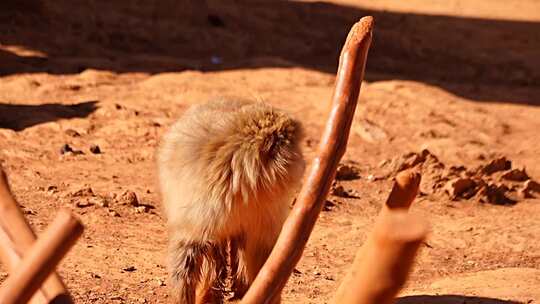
(499, 164)
(100, 201)
(518, 175)
(310, 143)
(116, 298)
(52, 189)
(215, 20)
(141, 209)
(495, 194)
(455, 171)
(161, 282)
(83, 204)
(338, 190)
(460, 187)
(113, 213)
(86, 191)
(72, 133)
(129, 269)
(328, 205)
(129, 198)
(66, 149)
(524, 193)
(95, 276)
(95, 149)
(410, 160)
(74, 87)
(347, 171)
(531, 186)
(28, 211)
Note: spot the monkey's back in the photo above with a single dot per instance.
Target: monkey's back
(228, 166)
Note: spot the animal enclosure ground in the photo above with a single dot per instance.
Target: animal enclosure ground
(463, 84)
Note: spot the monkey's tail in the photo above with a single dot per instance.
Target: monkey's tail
(193, 265)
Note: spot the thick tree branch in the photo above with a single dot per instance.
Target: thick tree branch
(297, 229)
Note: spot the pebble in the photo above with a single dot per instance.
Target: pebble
(83, 204)
(340, 191)
(114, 213)
(141, 209)
(72, 133)
(95, 149)
(100, 201)
(347, 172)
(66, 149)
(460, 187)
(328, 205)
(499, 164)
(518, 175)
(86, 191)
(129, 198)
(129, 269)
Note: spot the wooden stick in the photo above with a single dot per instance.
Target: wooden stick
(297, 229)
(404, 191)
(382, 265)
(383, 262)
(17, 237)
(42, 259)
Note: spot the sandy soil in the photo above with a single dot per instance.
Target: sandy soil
(460, 80)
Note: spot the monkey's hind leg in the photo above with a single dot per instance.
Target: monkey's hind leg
(240, 282)
(212, 290)
(185, 261)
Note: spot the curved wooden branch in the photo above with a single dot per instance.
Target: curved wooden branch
(297, 229)
(42, 259)
(382, 264)
(17, 237)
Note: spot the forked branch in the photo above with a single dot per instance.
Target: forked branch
(16, 238)
(41, 260)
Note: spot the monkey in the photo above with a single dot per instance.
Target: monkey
(227, 170)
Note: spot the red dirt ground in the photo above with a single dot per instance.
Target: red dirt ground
(459, 78)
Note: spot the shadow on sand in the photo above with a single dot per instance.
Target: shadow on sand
(461, 55)
(19, 117)
(450, 299)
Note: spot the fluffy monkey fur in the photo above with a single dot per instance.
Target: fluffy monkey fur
(227, 170)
